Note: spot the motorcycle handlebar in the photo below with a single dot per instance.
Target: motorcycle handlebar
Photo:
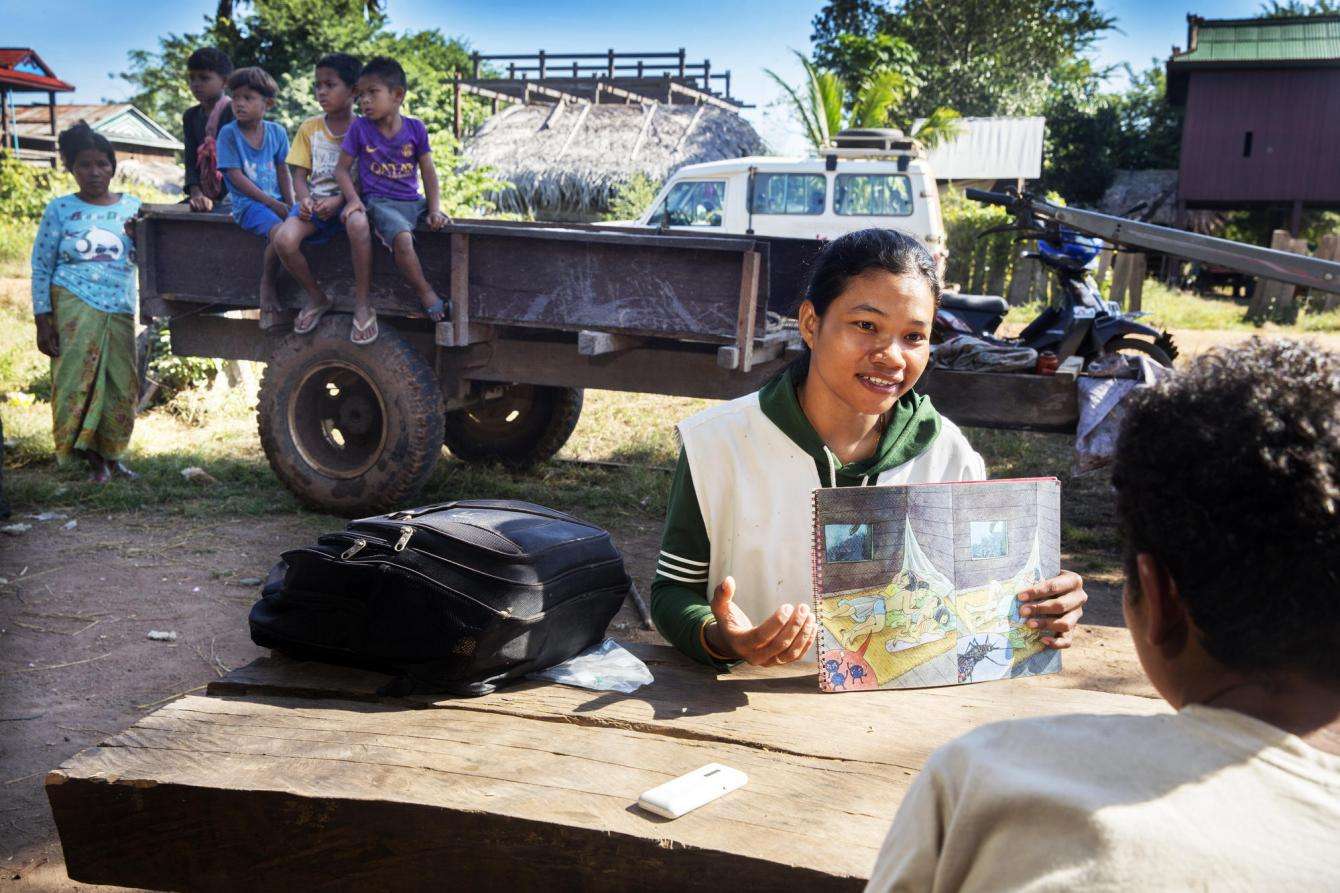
(989, 198)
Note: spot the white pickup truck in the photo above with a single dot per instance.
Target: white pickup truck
(869, 178)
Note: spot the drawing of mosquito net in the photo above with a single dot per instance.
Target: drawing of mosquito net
(898, 624)
(991, 641)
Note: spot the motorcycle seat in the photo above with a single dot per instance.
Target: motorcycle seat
(952, 300)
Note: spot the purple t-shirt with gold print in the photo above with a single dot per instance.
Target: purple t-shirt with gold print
(388, 167)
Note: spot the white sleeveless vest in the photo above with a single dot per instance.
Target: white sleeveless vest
(754, 487)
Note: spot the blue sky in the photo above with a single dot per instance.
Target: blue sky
(83, 43)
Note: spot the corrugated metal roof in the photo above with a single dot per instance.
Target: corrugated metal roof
(1264, 40)
(120, 122)
(991, 149)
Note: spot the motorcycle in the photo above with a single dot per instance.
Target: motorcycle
(1081, 323)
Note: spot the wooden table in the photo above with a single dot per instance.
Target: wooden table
(292, 775)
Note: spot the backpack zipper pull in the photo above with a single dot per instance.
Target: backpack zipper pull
(353, 550)
(405, 533)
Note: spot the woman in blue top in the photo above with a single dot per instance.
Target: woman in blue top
(84, 294)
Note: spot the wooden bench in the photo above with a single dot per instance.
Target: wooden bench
(291, 775)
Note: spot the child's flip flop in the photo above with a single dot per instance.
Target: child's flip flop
(370, 326)
(300, 329)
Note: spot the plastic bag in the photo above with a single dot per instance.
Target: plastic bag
(604, 667)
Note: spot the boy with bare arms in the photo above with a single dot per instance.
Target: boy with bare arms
(390, 150)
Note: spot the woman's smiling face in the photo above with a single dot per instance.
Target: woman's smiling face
(872, 344)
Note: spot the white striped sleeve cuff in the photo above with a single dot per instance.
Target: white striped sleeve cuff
(685, 570)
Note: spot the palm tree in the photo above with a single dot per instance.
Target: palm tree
(822, 106)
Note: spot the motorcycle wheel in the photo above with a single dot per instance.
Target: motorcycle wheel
(1139, 345)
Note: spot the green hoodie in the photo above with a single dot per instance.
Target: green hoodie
(680, 592)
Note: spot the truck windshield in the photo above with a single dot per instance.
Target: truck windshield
(692, 203)
(873, 195)
(789, 193)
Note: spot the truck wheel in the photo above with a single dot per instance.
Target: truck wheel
(526, 426)
(350, 429)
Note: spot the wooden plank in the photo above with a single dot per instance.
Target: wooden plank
(1329, 249)
(594, 344)
(1268, 292)
(744, 331)
(278, 794)
(1135, 284)
(209, 335)
(1121, 277)
(1003, 400)
(653, 369)
(765, 350)
(1020, 291)
(295, 773)
(460, 289)
(647, 115)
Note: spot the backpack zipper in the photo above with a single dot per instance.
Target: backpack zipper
(405, 533)
(358, 546)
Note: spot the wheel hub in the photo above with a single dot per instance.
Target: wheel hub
(337, 419)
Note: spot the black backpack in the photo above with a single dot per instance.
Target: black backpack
(455, 598)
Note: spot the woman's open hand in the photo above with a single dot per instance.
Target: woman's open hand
(1054, 607)
(48, 338)
(782, 638)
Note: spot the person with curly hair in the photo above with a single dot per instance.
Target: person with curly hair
(84, 294)
(1228, 497)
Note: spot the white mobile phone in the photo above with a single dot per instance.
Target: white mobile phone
(688, 792)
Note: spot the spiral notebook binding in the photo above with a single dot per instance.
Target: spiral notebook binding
(816, 581)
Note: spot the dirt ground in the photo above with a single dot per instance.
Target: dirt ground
(76, 608)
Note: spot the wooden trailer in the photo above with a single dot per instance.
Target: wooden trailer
(539, 312)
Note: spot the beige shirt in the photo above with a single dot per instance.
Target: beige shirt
(1204, 799)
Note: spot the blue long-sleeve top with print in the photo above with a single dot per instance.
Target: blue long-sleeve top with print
(84, 248)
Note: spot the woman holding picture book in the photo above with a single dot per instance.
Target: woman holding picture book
(734, 575)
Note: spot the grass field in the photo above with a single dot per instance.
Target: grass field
(1173, 309)
(216, 430)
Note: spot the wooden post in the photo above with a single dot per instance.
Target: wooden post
(707, 75)
(609, 65)
(1121, 277)
(1021, 281)
(744, 331)
(474, 59)
(1104, 265)
(1329, 249)
(1267, 291)
(1135, 284)
(541, 65)
(456, 106)
(460, 289)
(1293, 300)
(51, 117)
(681, 61)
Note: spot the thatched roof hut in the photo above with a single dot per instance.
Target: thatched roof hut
(567, 165)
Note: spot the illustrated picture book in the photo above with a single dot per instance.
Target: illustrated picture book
(917, 585)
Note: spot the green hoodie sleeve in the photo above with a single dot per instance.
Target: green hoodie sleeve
(680, 590)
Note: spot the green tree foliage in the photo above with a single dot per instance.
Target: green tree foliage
(987, 57)
(825, 105)
(632, 197)
(1292, 8)
(286, 37)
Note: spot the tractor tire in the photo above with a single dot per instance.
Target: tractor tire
(1157, 351)
(350, 429)
(524, 427)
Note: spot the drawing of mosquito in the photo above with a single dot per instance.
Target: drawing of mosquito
(975, 654)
